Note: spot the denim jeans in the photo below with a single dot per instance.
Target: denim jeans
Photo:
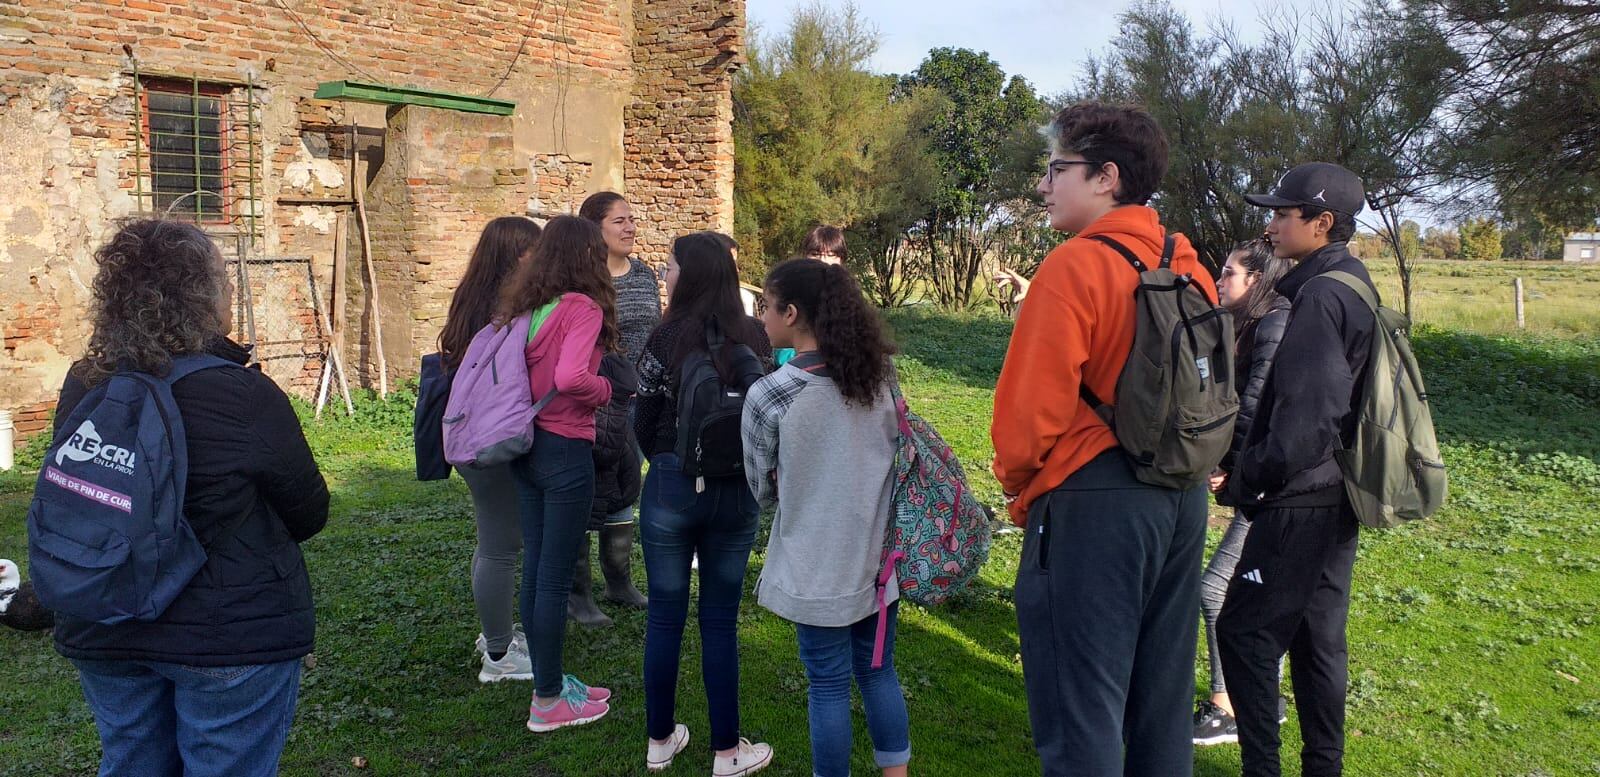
(832, 655)
(676, 523)
(555, 487)
(159, 719)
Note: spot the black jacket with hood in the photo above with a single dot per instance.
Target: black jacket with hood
(1307, 408)
(1252, 363)
(617, 482)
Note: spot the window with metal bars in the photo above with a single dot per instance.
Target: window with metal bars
(186, 131)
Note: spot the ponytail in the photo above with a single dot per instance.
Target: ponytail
(850, 336)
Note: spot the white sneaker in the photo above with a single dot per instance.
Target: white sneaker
(660, 756)
(516, 664)
(747, 759)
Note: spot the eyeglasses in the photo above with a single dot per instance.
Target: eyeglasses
(1227, 273)
(1060, 166)
(661, 273)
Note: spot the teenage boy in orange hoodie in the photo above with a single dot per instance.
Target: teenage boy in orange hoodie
(1108, 586)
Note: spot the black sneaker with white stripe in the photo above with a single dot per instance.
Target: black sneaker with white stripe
(1213, 726)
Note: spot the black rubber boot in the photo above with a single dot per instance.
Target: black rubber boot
(616, 561)
(580, 605)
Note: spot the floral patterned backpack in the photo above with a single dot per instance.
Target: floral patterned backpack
(939, 535)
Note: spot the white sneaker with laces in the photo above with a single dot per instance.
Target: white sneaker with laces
(660, 756)
(747, 758)
(516, 664)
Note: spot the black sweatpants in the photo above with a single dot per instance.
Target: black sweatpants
(1107, 596)
(1290, 592)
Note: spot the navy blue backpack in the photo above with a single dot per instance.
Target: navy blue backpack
(107, 538)
(427, 422)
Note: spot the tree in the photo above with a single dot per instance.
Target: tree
(1223, 140)
(817, 138)
(1378, 106)
(1480, 239)
(1440, 243)
(972, 136)
(1524, 114)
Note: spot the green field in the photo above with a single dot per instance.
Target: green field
(1558, 299)
(1474, 643)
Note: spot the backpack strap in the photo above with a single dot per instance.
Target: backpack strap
(1084, 391)
(189, 364)
(1126, 254)
(1355, 285)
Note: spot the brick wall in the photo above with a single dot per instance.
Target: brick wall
(443, 173)
(679, 141)
(610, 94)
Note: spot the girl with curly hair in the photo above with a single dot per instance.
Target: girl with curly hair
(208, 687)
(819, 442)
(564, 284)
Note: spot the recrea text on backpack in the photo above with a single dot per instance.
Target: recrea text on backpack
(107, 538)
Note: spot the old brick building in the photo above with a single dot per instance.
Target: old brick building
(114, 108)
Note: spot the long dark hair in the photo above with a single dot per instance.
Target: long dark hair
(504, 242)
(156, 295)
(850, 336)
(569, 257)
(597, 205)
(1256, 258)
(707, 289)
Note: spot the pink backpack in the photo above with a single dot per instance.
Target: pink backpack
(489, 418)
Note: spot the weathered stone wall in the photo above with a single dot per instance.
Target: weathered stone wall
(444, 174)
(595, 110)
(679, 141)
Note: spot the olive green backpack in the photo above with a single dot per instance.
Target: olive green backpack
(1176, 402)
(1393, 472)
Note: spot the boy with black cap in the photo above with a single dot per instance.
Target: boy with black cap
(1291, 589)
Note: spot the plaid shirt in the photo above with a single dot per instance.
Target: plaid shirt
(764, 407)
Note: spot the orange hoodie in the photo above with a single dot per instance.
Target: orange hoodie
(1076, 326)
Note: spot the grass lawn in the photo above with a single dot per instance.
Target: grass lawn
(1473, 639)
(1477, 297)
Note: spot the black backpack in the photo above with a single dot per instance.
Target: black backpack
(710, 409)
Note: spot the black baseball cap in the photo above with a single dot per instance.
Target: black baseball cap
(1321, 184)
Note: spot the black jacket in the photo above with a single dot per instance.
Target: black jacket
(617, 482)
(1307, 408)
(253, 494)
(1252, 362)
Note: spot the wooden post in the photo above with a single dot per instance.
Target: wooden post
(1516, 285)
(372, 282)
(340, 290)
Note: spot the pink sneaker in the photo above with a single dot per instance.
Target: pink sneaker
(589, 692)
(572, 709)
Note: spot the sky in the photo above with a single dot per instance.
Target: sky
(1045, 41)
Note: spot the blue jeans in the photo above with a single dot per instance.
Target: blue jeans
(159, 719)
(676, 523)
(555, 487)
(831, 656)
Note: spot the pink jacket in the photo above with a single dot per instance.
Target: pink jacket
(563, 356)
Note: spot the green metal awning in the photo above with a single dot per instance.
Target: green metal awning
(356, 91)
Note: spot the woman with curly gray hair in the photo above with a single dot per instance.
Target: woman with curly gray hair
(208, 687)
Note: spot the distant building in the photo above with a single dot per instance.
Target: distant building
(1581, 247)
